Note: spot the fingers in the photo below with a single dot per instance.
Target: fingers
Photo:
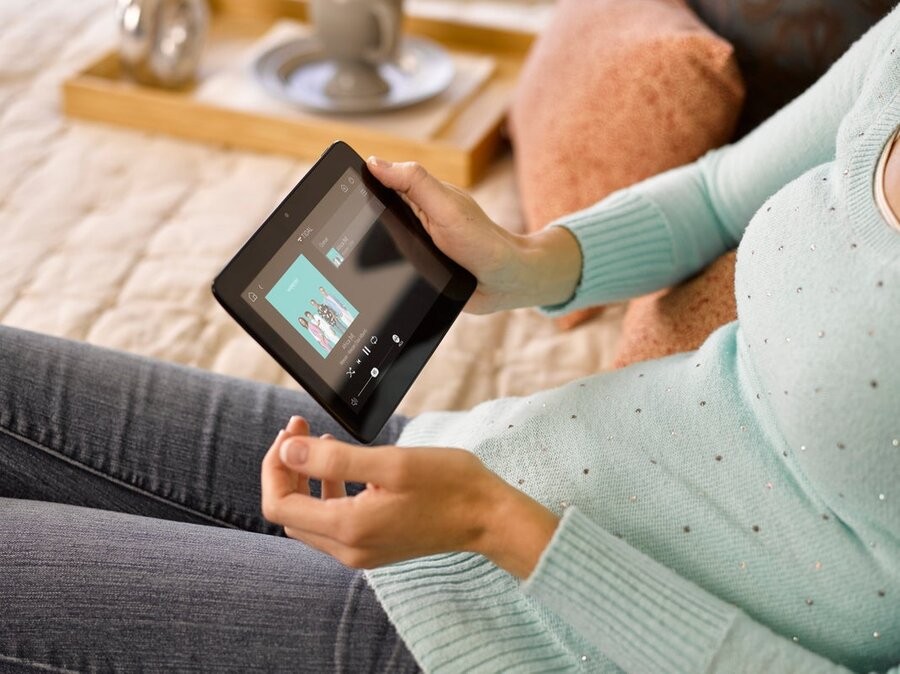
(297, 426)
(329, 459)
(332, 488)
(318, 541)
(306, 513)
(285, 503)
(277, 479)
(346, 554)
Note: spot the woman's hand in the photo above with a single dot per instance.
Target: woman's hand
(418, 501)
(512, 270)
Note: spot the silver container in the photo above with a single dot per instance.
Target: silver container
(161, 40)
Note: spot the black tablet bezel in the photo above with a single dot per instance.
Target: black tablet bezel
(239, 273)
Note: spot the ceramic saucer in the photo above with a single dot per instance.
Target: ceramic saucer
(297, 71)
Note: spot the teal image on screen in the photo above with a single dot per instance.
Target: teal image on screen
(312, 305)
(336, 258)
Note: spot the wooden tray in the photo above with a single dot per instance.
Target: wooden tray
(458, 152)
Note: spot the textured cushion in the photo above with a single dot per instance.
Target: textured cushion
(614, 92)
(783, 46)
(680, 318)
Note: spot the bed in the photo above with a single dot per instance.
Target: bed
(112, 236)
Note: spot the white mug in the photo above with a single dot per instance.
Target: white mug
(358, 35)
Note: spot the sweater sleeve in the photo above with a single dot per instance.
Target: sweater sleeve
(670, 226)
(645, 617)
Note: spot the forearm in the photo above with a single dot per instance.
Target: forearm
(516, 531)
(610, 592)
(669, 227)
(550, 262)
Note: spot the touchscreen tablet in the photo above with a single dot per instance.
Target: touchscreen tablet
(344, 288)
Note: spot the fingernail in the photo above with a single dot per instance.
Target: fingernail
(326, 436)
(378, 161)
(294, 451)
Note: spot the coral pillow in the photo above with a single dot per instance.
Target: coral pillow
(612, 93)
(680, 318)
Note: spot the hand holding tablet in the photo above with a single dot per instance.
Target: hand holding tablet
(346, 290)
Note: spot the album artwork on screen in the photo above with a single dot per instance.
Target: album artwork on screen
(316, 309)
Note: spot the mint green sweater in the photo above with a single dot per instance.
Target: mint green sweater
(732, 509)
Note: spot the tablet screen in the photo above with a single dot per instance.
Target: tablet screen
(348, 288)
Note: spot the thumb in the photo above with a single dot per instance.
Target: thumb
(329, 459)
(412, 180)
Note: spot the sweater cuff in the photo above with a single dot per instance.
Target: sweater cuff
(626, 248)
(641, 614)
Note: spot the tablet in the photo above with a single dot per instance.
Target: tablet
(345, 289)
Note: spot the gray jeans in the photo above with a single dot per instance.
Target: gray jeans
(130, 529)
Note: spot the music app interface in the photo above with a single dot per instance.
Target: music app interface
(340, 292)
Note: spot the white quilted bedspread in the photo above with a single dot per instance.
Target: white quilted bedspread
(113, 236)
